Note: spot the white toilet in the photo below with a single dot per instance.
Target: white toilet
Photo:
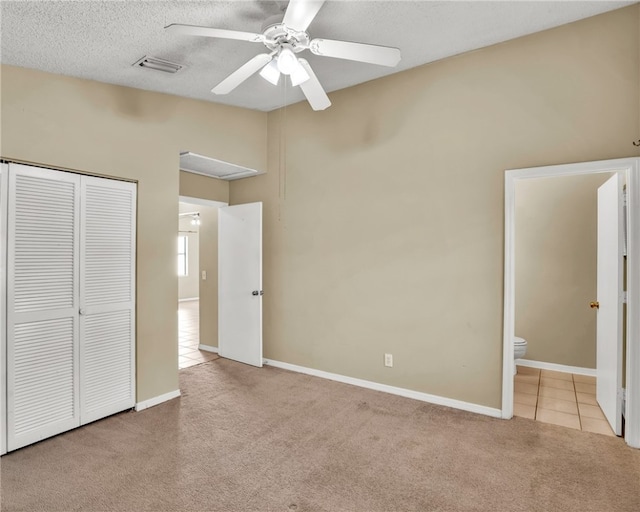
(519, 350)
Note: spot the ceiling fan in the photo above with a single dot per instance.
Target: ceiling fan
(284, 38)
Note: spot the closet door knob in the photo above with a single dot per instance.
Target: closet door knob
(81, 311)
(594, 305)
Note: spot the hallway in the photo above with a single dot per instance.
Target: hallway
(189, 336)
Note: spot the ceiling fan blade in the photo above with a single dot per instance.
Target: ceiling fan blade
(242, 73)
(192, 30)
(312, 89)
(300, 13)
(373, 54)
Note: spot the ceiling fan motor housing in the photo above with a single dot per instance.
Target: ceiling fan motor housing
(277, 34)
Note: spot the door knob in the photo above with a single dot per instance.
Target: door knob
(257, 292)
(594, 305)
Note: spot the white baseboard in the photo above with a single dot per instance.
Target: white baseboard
(208, 348)
(591, 372)
(407, 393)
(188, 299)
(145, 404)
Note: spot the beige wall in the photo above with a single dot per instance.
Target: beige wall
(209, 287)
(202, 187)
(384, 215)
(556, 257)
(116, 131)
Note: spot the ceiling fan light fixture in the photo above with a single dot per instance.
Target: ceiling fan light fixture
(195, 217)
(287, 60)
(299, 75)
(271, 73)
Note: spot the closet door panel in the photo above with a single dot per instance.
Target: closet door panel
(107, 296)
(43, 374)
(4, 168)
(44, 270)
(106, 363)
(42, 300)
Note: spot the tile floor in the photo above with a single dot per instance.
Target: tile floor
(564, 399)
(189, 336)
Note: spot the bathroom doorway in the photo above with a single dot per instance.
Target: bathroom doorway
(560, 357)
(555, 275)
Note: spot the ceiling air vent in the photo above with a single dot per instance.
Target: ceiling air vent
(158, 64)
(198, 164)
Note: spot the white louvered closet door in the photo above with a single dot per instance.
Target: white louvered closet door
(42, 304)
(107, 297)
(3, 319)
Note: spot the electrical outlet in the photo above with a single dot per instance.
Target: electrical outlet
(388, 360)
(204, 275)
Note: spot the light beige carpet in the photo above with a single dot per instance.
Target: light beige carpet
(248, 439)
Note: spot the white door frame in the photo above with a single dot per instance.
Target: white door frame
(630, 169)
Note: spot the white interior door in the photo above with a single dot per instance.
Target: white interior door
(610, 299)
(107, 297)
(240, 283)
(42, 304)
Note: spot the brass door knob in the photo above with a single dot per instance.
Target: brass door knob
(594, 305)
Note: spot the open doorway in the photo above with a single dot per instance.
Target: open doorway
(626, 171)
(197, 267)
(556, 273)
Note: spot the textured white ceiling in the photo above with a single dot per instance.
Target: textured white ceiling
(100, 40)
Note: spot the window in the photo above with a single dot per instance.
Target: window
(183, 269)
